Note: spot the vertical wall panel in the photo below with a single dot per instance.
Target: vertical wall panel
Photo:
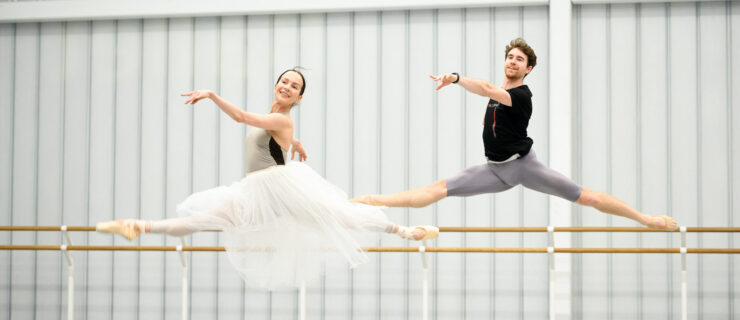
(422, 129)
(450, 157)
(335, 79)
(180, 49)
(535, 205)
(206, 123)
(260, 81)
(285, 55)
(25, 159)
(660, 151)
(154, 102)
(7, 89)
(734, 217)
(95, 129)
(478, 60)
(623, 162)
(102, 95)
(393, 155)
(653, 142)
(309, 117)
(232, 85)
(683, 134)
(49, 265)
(127, 161)
(367, 149)
(713, 152)
(76, 144)
(508, 296)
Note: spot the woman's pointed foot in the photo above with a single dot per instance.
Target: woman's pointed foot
(417, 233)
(129, 229)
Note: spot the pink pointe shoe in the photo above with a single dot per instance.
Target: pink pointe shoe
(129, 229)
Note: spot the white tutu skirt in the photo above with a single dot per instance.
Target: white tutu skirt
(281, 224)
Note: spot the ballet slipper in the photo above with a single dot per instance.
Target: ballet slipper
(669, 224)
(430, 232)
(127, 228)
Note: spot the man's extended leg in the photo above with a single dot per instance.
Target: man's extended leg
(538, 177)
(471, 181)
(607, 203)
(415, 198)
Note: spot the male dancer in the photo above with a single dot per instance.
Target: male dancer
(511, 159)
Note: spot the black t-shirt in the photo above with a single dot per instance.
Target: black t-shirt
(505, 127)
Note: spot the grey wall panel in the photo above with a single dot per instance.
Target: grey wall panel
(394, 145)
(666, 113)
(153, 160)
(683, 124)
(478, 60)
(206, 134)
(231, 85)
(260, 79)
(181, 44)
(508, 209)
(367, 149)
(623, 160)
(422, 128)
(734, 117)
(103, 134)
(653, 144)
(7, 76)
(334, 86)
(535, 204)
(285, 55)
(450, 154)
(309, 117)
(25, 161)
(100, 51)
(713, 141)
(49, 264)
(127, 159)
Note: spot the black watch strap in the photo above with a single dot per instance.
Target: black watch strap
(458, 77)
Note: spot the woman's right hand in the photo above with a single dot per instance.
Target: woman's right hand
(197, 95)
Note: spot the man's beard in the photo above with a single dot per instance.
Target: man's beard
(514, 78)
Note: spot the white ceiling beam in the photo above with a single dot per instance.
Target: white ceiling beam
(66, 10)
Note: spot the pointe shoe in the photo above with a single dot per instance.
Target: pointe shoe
(430, 232)
(127, 228)
(670, 223)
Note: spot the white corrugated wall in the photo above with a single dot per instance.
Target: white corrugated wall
(93, 128)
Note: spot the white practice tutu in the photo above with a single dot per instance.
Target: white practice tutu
(281, 223)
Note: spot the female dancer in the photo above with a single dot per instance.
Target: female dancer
(282, 219)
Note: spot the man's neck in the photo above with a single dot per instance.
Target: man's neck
(511, 83)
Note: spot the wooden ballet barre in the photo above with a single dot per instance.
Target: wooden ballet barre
(445, 229)
(386, 249)
(582, 229)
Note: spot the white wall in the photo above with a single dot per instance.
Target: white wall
(94, 129)
(656, 104)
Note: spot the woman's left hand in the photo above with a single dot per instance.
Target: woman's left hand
(298, 147)
(197, 95)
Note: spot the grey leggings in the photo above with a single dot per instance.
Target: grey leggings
(497, 177)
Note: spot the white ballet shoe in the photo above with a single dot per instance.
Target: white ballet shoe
(430, 232)
(129, 229)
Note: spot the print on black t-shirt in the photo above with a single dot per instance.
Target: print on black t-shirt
(505, 127)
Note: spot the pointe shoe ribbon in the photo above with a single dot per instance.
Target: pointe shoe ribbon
(128, 230)
(430, 232)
